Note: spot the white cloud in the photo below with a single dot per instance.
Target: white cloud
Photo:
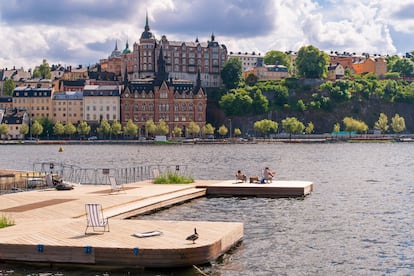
(82, 32)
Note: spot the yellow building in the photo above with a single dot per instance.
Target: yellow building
(37, 101)
(67, 107)
(268, 72)
(375, 65)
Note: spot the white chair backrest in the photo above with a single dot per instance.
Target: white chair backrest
(112, 180)
(94, 214)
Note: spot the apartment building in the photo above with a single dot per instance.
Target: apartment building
(37, 101)
(67, 107)
(101, 102)
(248, 61)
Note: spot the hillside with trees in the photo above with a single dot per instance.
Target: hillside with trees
(327, 105)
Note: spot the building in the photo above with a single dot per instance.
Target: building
(376, 65)
(17, 75)
(268, 72)
(37, 101)
(101, 102)
(67, 107)
(336, 71)
(248, 61)
(14, 119)
(177, 102)
(183, 59)
(6, 102)
(345, 59)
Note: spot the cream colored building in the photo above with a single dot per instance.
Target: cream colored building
(67, 107)
(268, 72)
(248, 61)
(101, 102)
(37, 101)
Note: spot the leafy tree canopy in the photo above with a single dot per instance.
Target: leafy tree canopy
(273, 57)
(231, 74)
(8, 87)
(312, 63)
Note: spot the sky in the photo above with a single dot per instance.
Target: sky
(73, 32)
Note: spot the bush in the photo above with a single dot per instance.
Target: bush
(6, 221)
(173, 178)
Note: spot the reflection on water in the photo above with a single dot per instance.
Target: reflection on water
(357, 221)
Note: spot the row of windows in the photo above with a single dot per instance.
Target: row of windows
(101, 108)
(165, 107)
(31, 100)
(69, 115)
(64, 109)
(96, 117)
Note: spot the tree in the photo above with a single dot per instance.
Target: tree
(397, 123)
(104, 128)
(4, 130)
(223, 130)
(43, 71)
(336, 128)
(309, 128)
(162, 128)
(251, 79)
(236, 102)
(150, 127)
(24, 130)
(36, 128)
(116, 128)
(83, 128)
(404, 66)
(130, 129)
(292, 125)
(352, 125)
(8, 87)
(312, 63)
(260, 103)
(208, 129)
(231, 73)
(177, 132)
(70, 129)
(193, 129)
(273, 57)
(237, 132)
(265, 126)
(58, 129)
(382, 123)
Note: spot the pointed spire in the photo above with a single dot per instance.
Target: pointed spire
(116, 45)
(146, 22)
(212, 36)
(198, 81)
(126, 75)
(196, 39)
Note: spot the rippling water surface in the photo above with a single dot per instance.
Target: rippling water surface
(358, 220)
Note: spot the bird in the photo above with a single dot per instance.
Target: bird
(193, 237)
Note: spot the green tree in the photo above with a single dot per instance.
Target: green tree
(36, 128)
(162, 128)
(312, 63)
(236, 102)
(354, 125)
(4, 130)
(104, 128)
(150, 127)
(43, 71)
(83, 128)
(8, 87)
(403, 66)
(231, 74)
(70, 129)
(223, 130)
(397, 123)
(390, 60)
(382, 123)
(336, 128)
(177, 132)
(237, 132)
(24, 130)
(130, 129)
(260, 103)
(292, 125)
(309, 128)
(265, 126)
(193, 129)
(116, 128)
(208, 129)
(251, 79)
(273, 57)
(58, 129)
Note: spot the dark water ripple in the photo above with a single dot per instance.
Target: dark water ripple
(358, 220)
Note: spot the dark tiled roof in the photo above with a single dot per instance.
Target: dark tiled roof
(6, 99)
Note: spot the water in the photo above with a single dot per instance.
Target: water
(358, 220)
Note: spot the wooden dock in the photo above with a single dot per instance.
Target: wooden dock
(275, 189)
(50, 224)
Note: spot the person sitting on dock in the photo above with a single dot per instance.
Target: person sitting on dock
(267, 175)
(240, 176)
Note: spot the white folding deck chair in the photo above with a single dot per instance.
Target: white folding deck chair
(114, 186)
(95, 218)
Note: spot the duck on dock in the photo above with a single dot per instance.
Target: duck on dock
(193, 237)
